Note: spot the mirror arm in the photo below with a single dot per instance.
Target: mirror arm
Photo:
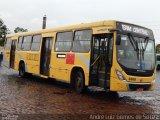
(114, 30)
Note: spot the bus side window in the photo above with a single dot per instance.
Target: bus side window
(26, 45)
(64, 41)
(110, 49)
(8, 44)
(82, 40)
(35, 45)
(20, 41)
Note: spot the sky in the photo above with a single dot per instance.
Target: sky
(28, 14)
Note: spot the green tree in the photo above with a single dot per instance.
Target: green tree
(3, 32)
(158, 48)
(19, 29)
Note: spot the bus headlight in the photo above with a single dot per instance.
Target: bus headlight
(154, 79)
(120, 75)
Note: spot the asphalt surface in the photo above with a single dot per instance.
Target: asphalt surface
(38, 98)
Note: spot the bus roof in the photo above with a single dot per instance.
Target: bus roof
(109, 23)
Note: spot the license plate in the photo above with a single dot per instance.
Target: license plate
(140, 89)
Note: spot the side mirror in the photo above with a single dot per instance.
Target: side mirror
(118, 41)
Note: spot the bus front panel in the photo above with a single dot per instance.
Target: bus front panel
(134, 59)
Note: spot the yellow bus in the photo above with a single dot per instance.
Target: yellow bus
(113, 55)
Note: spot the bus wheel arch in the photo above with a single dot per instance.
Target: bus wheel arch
(78, 79)
(22, 68)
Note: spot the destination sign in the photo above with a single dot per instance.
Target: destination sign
(129, 28)
(134, 29)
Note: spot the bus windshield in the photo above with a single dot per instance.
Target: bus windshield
(136, 53)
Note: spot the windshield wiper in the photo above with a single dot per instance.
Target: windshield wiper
(144, 49)
(134, 44)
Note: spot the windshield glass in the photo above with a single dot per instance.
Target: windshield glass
(136, 53)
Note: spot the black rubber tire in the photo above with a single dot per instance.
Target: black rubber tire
(79, 82)
(22, 72)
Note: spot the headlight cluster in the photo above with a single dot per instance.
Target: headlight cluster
(120, 75)
(154, 78)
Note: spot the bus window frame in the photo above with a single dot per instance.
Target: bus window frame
(83, 40)
(6, 44)
(40, 43)
(18, 43)
(63, 41)
(30, 42)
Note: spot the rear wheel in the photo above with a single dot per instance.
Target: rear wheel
(79, 82)
(22, 72)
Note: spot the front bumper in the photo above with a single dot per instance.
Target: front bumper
(122, 85)
(138, 86)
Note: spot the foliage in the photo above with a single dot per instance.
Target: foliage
(3, 32)
(19, 29)
(158, 48)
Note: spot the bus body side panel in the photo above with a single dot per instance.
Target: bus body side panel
(6, 58)
(30, 58)
(33, 61)
(22, 57)
(58, 67)
(17, 60)
(61, 67)
(62, 63)
(82, 60)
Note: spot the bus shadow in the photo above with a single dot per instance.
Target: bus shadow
(45, 81)
(90, 92)
(33, 79)
(65, 88)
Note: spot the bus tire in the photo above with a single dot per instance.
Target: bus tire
(79, 82)
(22, 72)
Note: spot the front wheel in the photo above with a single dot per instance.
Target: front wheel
(79, 82)
(22, 70)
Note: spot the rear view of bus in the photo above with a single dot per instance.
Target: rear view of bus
(134, 62)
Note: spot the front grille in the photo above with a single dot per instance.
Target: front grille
(134, 87)
(134, 72)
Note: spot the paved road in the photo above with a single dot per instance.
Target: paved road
(33, 96)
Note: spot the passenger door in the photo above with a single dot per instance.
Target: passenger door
(12, 53)
(45, 56)
(101, 60)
